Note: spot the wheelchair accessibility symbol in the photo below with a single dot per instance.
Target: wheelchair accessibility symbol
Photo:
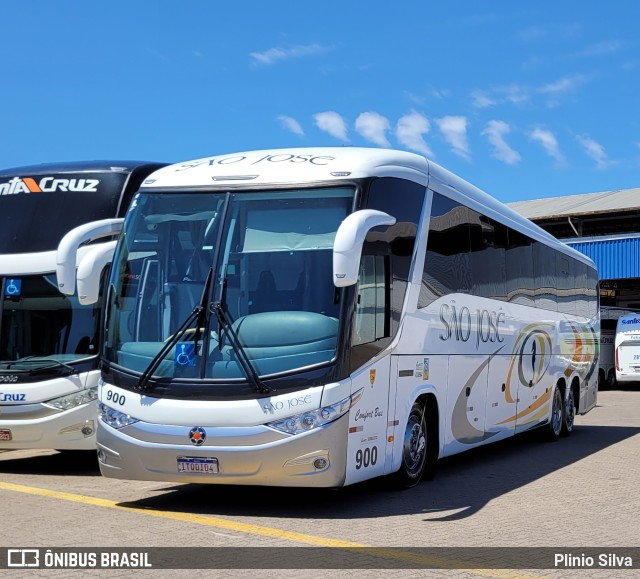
(185, 355)
(13, 287)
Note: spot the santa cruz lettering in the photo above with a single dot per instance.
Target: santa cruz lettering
(460, 324)
(48, 185)
(5, 397)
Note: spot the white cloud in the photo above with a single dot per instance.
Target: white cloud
(409, 131)
(290, 124)
(512, 94)
(516, 94)
(596, 151)
(373, 127)
(454, 130)
(550, 32)
(564, 84)
(601, 48)
(481, 99)
(332, 123)
(495, 132)
(549, 142)
(275, 54)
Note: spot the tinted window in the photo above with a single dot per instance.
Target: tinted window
(371, 315)
(594, 292)
(387, 255)
(544, 268)
(403, 200)
(447, 266)
(582, 291)
(565, 268)
(488, 259)
(468, 252)
(520, 280)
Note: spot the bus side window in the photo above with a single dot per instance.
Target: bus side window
(372, 306)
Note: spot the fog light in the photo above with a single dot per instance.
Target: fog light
(320, 463)
(87, 428)
(101, 456)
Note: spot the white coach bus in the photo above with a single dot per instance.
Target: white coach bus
(318, 317)
(49, 342)
(627, 348)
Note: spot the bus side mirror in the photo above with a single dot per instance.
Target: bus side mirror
(90, 270)
(66, 255)
(347, 247)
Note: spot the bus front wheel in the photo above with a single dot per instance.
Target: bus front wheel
(414, 448)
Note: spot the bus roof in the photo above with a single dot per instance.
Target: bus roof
(291, 166)
(118, 166)
(324, 165)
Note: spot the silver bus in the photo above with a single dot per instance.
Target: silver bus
(318, 317)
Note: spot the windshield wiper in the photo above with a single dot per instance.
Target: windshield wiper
(198, 316)
(49, 363)
(226, 323)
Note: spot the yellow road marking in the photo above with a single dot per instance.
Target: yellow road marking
(380, 552)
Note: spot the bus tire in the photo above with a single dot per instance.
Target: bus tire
(611, 379)
(569, 414)
(602, 380)
(554, 428)
(414, 448)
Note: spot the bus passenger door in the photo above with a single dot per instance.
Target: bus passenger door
(366, 444)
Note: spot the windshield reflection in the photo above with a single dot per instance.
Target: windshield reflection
(41, 328)
(272, 254)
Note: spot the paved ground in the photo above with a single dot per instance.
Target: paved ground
(580, 492)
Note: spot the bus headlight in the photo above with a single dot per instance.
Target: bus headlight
(114, 418)
(76, 399)
(315, 418)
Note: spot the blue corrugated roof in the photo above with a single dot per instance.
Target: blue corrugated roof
(617, 257)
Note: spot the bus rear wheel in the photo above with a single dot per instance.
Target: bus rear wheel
(414, 448)
(554, 427)
(569, 414)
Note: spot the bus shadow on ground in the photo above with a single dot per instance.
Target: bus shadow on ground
(53, 463)
(464, 484)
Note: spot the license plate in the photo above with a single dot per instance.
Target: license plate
(5, 434)
(197, 464)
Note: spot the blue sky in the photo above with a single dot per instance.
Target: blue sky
(524, 99)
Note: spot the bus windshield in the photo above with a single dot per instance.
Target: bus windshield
(268, 258)
(41, 328)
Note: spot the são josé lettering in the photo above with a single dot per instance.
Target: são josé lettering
(279, 158)
(458, 324)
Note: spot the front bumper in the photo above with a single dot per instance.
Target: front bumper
(39, 426)
(248, 456)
